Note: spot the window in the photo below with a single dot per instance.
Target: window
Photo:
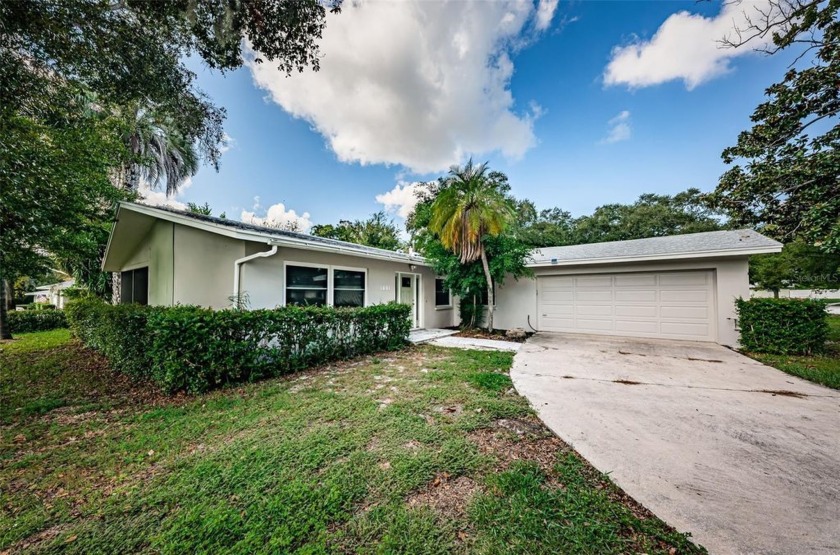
(134, 286)
(325, 285)
(442, 295)
(348, 288)
(306, 286)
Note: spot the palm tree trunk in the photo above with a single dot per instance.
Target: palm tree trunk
(5, 332)
(490, 300)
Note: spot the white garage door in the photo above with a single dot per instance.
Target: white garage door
(669, 305)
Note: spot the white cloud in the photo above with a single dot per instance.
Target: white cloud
(402, 199)
(545, 12)
(156, 197)
(277, 216)
(619, 128)
(417, 83)
(228, 143)
(686, 46)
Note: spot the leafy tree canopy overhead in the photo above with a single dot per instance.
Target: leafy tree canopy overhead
(650, 216)
(785, 174)
(376, 231)
(129, 53)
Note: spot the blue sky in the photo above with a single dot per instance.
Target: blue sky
(580, 104)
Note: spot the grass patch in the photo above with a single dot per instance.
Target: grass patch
(421, 451)
(823, 369)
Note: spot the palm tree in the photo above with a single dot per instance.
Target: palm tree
(160, 153)
(469, 207)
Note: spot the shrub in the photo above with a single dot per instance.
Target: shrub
(25, 321)
(782, 326)
(120, 332)
(195, 349)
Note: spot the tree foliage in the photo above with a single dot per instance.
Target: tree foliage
(785, 169)
(377, 231)
(56, 194)
(798, 266)
(650, 216)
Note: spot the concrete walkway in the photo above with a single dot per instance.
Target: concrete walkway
(426, 335)
(443, 338)
(743, 456)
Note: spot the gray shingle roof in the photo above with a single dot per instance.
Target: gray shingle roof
(270, 232)
(712, 243)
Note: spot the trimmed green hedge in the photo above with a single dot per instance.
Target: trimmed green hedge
(783, 326)
(25, 321)
(194, 349)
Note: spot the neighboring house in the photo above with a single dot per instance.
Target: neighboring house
(51, 294)
(678, 287)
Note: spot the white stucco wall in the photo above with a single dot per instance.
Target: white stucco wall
(262, 280)
(517, 301)
(161, 263)
(155, 252)
(203, 267)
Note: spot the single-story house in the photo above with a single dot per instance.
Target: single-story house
(53, 293)
(677, 287)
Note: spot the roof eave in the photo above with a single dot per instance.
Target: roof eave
(660, 257)
(246, 235)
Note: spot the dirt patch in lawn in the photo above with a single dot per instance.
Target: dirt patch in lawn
(510, 440)
(447, 495)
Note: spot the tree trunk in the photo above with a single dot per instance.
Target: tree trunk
(116, 287)
(491, 301)
(5, 332)
(775, 293)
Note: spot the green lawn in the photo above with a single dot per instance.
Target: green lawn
(823, 369)
(423, 451)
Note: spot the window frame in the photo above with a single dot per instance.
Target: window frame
(330, 280)
(331, 292)
(132, 269)
(447, 306)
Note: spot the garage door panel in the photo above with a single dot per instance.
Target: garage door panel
(636, 295)
(636, 310)
(592, 324)
(594, 295)
(683, 329)
(685, 312)
(594, 310)
(559, 281)
(689, 296)
(593, 281)
(558, 311)
(684, 278)
(557, 296)
(635, 280)
(558, 324)
(676, 305)
(631, 327)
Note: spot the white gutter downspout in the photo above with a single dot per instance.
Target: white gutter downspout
(239, 262)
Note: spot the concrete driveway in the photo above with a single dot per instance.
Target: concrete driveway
(743, 456)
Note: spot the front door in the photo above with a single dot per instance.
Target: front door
(408, 292)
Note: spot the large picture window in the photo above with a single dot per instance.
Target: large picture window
(325, 286)
(306, 285)
(348, 288)
(134, 286)
(443, 297)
